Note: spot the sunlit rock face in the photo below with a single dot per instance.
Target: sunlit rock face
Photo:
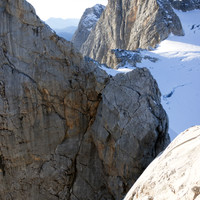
(54, 107)
(174, 174)
(130, 25)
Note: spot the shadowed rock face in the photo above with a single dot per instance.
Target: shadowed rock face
(87, 22)
(186, 5)
(130, 107)
(174, 174)
(54, 143)
(130, 25)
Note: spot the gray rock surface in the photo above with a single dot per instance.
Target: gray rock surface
(174, 174)
(186, 5)
(130, 25)
(54, 143)
(86, 24)
(48, 98)
(129, 118)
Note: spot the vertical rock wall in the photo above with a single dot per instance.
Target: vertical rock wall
(48, 97)
(130, 25)
(54, 144)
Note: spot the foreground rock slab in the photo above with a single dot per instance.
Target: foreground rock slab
(174, 174)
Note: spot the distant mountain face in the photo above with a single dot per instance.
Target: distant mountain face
(131, 25)
(65, 35)
(58, 23)
(63, 27)
(186, 5)
(87, 22)
(67, 32)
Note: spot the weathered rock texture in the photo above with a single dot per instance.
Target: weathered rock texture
(53, 145)
(128, 101)
(130, 25)
(174, 174)
(87, 22)
(186, 5)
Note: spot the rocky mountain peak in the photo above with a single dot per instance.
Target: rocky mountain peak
(131, 25)
(87, 22)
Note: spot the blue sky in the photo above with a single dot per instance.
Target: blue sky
(63, 8)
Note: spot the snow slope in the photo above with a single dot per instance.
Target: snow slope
(177, 72)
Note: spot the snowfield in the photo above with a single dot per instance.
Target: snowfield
(177, 72)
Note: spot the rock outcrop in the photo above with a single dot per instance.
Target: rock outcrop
(173, 174)
(186, 5)
(65, 130)
(86, 24)
(130, 25)
(128, 101)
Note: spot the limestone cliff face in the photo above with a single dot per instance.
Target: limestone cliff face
(174, 174)
(65, 130)
(87, 22)
(130, 25)
(48, 98)
(186, 5)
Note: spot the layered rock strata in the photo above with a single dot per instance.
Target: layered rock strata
(173, 174)
(65, 130)
(130, 25)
